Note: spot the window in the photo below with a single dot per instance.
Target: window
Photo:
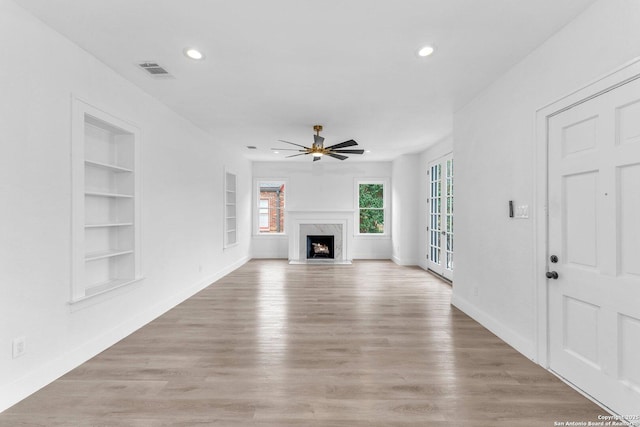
(264, 214)
(372, 207)
(270, 207)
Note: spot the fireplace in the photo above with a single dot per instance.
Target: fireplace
(338, 224)
(320, 247)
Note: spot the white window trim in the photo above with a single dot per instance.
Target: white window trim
(385, 207)
(256, 208)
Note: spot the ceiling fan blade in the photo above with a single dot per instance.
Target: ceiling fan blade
(295, 155)
(348, 151)
(318, 140)
(285, 149)
(293, 143)
(349, 143)
(337, 156)
(315, 159)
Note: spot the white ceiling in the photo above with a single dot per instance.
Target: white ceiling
(274, 68)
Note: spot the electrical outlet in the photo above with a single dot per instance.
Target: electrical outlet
(19, 347)
(475, 291)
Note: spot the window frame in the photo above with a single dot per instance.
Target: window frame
(385, 207)
(256, 207)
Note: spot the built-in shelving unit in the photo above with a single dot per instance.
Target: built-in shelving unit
(106, 220)
(230, 209)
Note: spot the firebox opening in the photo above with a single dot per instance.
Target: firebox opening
(320, 247)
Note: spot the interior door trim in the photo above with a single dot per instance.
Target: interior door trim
(611, 80)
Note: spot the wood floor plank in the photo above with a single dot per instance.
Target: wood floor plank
(273, 344)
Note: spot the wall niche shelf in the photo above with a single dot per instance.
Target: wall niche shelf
(102, 194)
(113, 168)
(106, 202)
(122, 224)
(94, 256)
(230, 208)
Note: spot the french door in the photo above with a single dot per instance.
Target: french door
(440, 220)
(594, 246)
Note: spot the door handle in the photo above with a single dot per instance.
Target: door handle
(552, 275)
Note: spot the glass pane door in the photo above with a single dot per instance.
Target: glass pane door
(435, 198)
(440, 228)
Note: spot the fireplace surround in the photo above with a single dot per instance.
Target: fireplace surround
(319, 223)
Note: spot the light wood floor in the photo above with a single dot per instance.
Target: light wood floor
(272, 344)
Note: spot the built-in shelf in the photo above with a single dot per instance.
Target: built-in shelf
(107, 286)
(230, 221)
(106, 213)
(119, 224)
(107, 166)
(103, 194)
(94, 256)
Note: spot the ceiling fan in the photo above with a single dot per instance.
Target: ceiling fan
(317, 150)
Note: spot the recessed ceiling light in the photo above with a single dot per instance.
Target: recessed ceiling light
(193, 53)
(367, 151)
(425, 51)
(276, 152)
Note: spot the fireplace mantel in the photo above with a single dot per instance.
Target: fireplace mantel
(341, 218)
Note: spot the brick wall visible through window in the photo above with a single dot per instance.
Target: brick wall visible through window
(271, 207)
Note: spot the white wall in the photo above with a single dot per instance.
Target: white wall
(323, 186)
(182, 172)
(494, 147)
(404, 217)
(431, 154)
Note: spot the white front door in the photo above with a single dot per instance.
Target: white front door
(440, 220)
(594, 231)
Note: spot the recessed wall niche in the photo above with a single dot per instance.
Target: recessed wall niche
(230, 209)
(106, 199)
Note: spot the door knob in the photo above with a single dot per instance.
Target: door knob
(552, 275)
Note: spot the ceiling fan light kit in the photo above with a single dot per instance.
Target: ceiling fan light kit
(318, 150)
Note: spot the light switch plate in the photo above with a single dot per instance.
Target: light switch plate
(522, 211)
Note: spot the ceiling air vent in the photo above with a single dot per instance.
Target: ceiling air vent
(155, 70)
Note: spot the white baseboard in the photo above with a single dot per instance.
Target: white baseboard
(404, 262)
(522, 345)
(12, 393)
